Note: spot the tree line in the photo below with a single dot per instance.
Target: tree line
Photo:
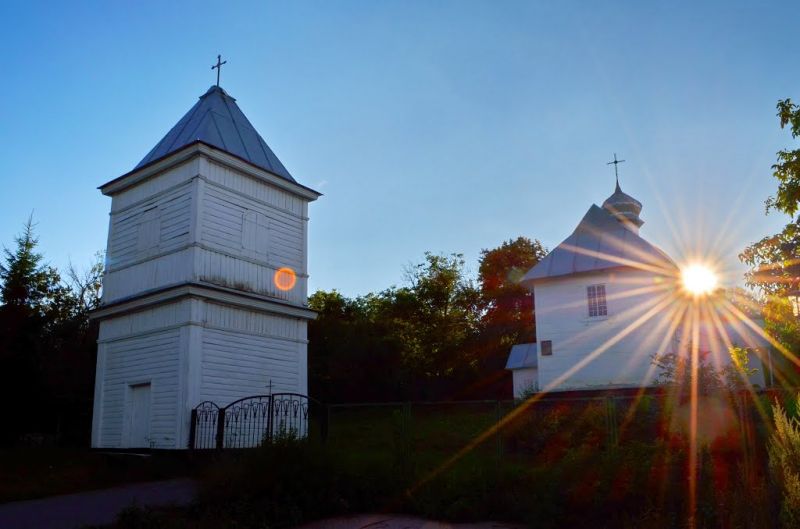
(47, 344)
(441, 335)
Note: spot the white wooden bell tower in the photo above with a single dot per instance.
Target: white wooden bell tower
(205, 288)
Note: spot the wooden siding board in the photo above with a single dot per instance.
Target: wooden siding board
(155, 185)
(161, 271)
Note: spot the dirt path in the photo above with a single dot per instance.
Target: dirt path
(95, 507)
(389, 521)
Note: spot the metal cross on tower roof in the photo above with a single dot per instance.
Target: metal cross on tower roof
(218, 66)
(615, 163)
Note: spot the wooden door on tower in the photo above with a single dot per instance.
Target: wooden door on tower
(140, 416)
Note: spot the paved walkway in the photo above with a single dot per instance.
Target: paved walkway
(389, 521)
(94, 507)
(101, 507)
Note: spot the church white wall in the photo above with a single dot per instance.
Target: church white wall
(150, 234)
(525, 380)
(242, 351)
(202, 221)
(252, 188)
(164, 270)
(190, 351)
(248, 229)
(142, 347)
(149, 227)
(155, 185)
(562, 317)
(626, 346)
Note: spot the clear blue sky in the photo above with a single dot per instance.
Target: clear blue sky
(435, 125)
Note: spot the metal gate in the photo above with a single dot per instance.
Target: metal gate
(251, 421)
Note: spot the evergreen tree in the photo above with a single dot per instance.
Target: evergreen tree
(48, 344)
(27, 282)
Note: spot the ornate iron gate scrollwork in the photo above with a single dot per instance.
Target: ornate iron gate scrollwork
(289, 416)
(203, 429)
(251, 421)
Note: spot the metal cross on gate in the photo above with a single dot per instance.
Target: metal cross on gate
(218, 66)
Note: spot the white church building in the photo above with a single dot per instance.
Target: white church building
(604, 306)
(204, 293)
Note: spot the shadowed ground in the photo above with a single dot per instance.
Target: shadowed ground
(93, 508)
(388, 521)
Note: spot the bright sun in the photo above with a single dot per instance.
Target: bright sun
(699, 279)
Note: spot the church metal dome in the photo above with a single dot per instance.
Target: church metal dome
(624, 207)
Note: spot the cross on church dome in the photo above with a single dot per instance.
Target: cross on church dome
(623, 206)
(218, 67)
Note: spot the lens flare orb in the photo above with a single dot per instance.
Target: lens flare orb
(285, 278)
(699, 279)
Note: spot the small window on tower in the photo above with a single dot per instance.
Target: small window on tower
(596, 297)
(547, 348)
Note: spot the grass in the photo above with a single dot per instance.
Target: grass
(553, 467)
(291, 483)
(557, 465)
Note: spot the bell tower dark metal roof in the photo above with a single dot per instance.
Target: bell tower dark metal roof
(217, 121)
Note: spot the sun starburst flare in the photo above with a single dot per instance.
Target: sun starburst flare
(699, 279)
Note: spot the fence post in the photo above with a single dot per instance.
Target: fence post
(192, 429)
(407, 419)
(498, 437)
(270, 421)
(611, 422)
(220, 438)
(326, 420)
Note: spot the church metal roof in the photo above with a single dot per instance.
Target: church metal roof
(522, 356)
(217, 120)
(600, 242)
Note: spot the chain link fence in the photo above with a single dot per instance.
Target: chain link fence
(549, 426)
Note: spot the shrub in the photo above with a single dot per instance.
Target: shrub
(784, 463)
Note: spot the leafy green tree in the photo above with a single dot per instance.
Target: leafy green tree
(787, 168)
(414, 341)
(71, 351)
(442, 313)
(508, 318)
(773, 261)
(353, 354)
(676, 372)
(509, 305)
(437, 336)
